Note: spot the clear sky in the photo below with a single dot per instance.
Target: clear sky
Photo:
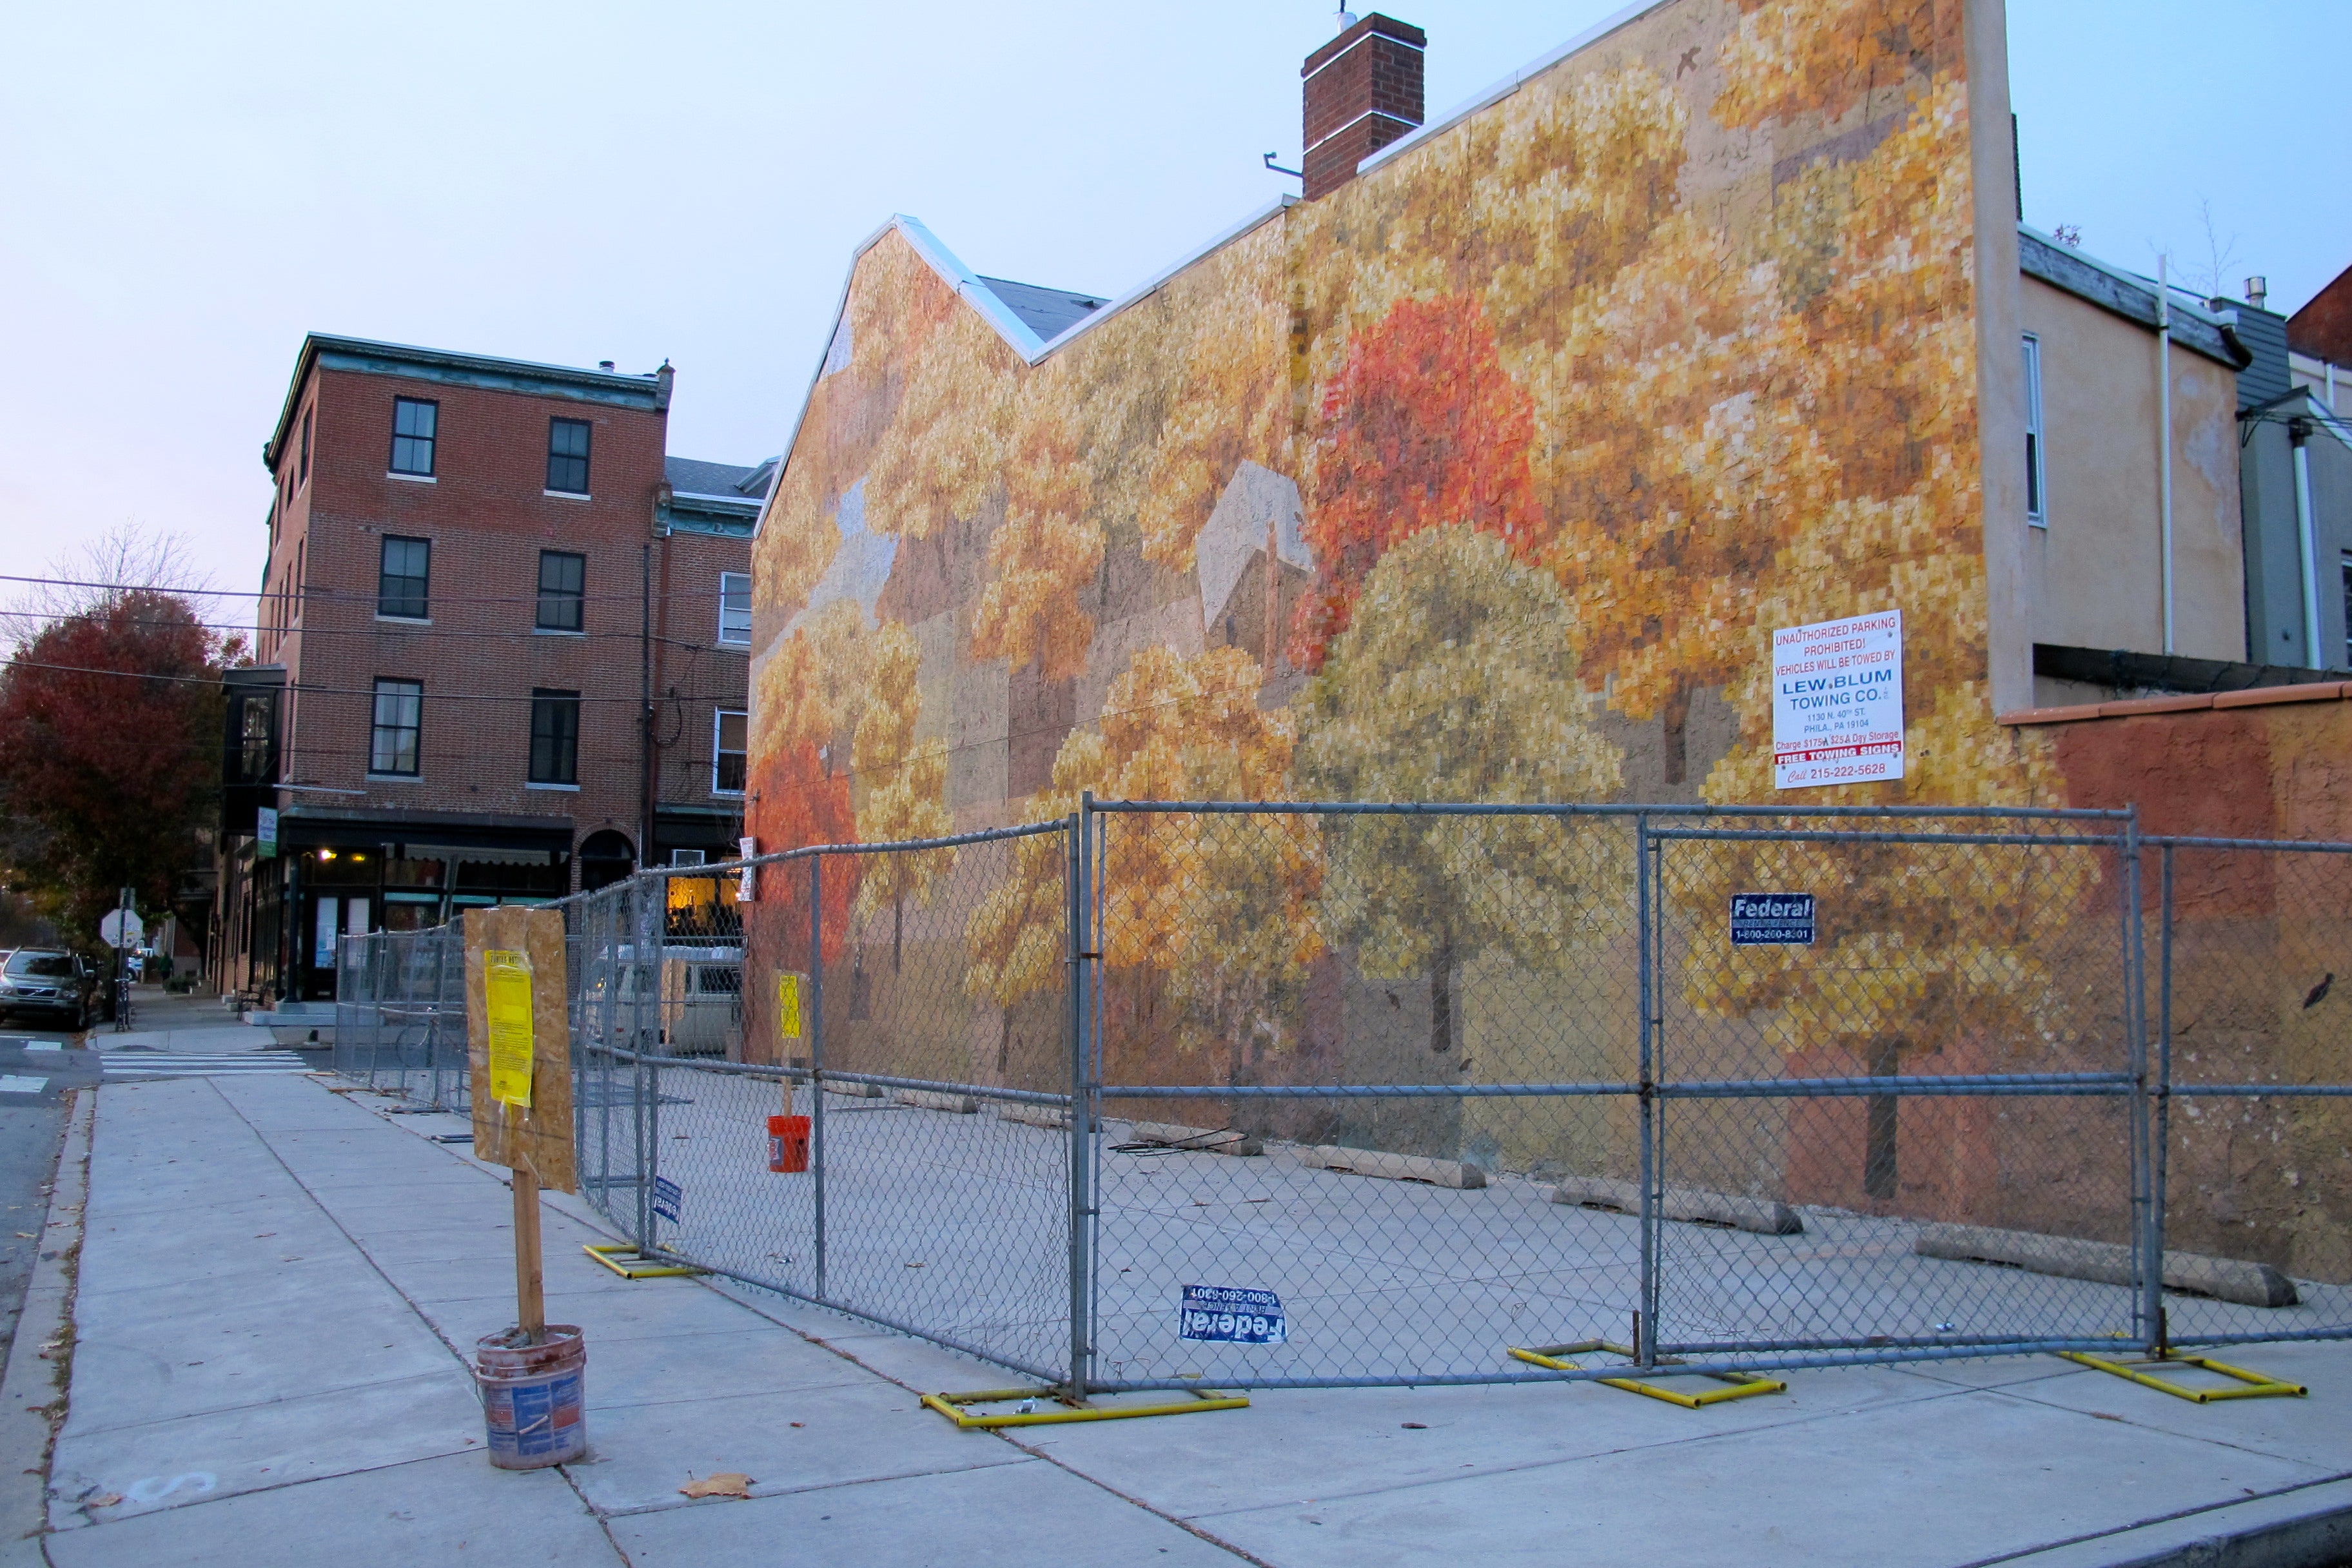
(185, 190)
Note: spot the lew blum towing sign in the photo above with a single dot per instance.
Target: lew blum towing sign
(1837, 701)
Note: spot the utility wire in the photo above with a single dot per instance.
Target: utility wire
(321, 691)
(369, 631)
(332, 596)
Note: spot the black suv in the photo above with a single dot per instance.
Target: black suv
(57, 984)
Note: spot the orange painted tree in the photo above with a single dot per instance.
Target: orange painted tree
(1422, 427)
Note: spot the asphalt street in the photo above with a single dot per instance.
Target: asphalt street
(37, 1068)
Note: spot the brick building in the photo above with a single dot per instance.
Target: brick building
(502, 641)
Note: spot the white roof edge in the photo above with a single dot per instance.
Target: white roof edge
(966, 282)
(1511, 83)
(1012, 327)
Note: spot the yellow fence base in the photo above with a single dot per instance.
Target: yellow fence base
(630, 1263)
(1739, 1385)
(951, 1405)
(2254, 1384)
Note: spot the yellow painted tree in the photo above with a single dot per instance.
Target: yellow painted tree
(904, 786)
(1221, 905)
(1456, 681)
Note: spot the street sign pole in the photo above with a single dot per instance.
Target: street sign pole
(123, 918)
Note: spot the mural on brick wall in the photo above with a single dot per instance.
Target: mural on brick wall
(1484, 478)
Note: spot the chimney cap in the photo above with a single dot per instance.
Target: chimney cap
(2258, 289)
(604, 364)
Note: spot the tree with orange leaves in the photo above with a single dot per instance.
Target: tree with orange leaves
(1422, 427)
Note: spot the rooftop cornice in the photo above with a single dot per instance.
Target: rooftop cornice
(367, 356)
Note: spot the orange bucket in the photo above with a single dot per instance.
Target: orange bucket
(788, 1144)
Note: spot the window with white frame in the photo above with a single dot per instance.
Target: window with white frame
(735, 608)
(730, 753)
(2037, 488)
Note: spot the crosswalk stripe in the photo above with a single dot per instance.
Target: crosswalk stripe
(204, 1057)
(120, 1069)
(11, 1083)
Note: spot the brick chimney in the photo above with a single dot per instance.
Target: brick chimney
(1363, 91)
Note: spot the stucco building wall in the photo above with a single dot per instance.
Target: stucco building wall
(2097, 570)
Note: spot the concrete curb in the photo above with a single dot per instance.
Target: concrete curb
(933, 1100)
(1053, 1118)
(1395, 1167)
(30, 1386)
(1691, 1204)
(2105, 1263)
(2309, 1527)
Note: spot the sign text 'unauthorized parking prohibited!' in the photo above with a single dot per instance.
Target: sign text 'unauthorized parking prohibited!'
(1837, 701)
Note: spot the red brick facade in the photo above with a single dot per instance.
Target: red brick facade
(389, 849)
(1363, 91)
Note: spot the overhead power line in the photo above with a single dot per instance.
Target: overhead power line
(400, 631)
(340, 690)
(332, 596)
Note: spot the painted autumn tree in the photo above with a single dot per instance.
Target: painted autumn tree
(1222, 906)
(1048, 549)
(804, 696)
(905, 785)
(1422, 427)
(1456, 681)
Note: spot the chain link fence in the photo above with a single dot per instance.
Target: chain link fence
(1737, 1087)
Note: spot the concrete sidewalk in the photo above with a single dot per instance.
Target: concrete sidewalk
(191, 1023)
(276, 1282)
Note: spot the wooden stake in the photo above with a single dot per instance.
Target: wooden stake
(530, 1300)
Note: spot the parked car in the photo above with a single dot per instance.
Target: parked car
(52, 983)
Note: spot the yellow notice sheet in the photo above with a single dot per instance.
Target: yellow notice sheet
(788, 1007)
(506, 976)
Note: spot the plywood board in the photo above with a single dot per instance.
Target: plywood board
(536, 1137)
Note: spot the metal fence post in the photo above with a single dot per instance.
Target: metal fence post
(433, 1018)
(816, 1056)
(646, 929)
(2160, 1136)
(605, 956)
(2148, 1299)
(1081, 1132)
(1645, 1326)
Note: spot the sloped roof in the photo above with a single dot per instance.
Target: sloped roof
(1048, 312)
(690, 476)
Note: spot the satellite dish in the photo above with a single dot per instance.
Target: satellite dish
(121, 927)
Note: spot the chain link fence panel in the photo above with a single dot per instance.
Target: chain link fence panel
(1441, 1082)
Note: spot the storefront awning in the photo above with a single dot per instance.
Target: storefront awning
(479, 856)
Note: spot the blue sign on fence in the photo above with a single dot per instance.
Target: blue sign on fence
(1771, 919)
(1231, 1317)
(666, 1198)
